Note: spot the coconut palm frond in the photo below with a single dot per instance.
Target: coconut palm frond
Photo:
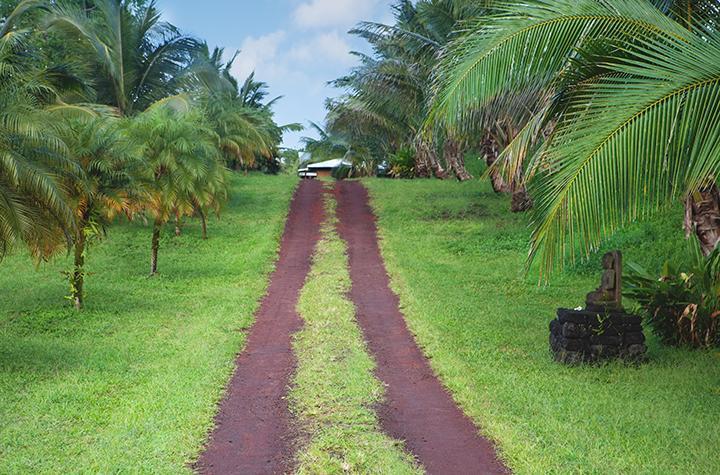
(628, 144)
(529, 44)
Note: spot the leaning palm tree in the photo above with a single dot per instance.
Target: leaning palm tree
(137, 58)
(632, 112)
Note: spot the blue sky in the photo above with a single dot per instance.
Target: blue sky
(294, 45)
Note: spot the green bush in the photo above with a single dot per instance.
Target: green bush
(402, 163)
(342, 172)
(683, 305)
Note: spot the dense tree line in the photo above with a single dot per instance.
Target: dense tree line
(593, 112)
(105, 111)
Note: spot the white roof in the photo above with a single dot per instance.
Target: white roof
(329, 164)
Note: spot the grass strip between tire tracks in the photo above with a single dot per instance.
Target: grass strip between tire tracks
(334, 389)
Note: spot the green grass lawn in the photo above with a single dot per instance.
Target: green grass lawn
(456, 257)
(334, 390)
(131, 383)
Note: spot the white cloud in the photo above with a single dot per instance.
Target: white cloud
(260, 54)
(325, 47)
(333, 13)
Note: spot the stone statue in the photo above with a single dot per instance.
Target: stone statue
(608, 297)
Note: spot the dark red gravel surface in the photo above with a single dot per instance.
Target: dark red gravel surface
(418, 409)
(253, 433)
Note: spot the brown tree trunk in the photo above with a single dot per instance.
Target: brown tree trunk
(702, 217)
(453, 157)
(521, 201)
(178, 224)
(157, 226)
(422, 165)
(491, 150)
(77, 280)
(436, 167)
(203, 222)
(427, 152)
(423, 168)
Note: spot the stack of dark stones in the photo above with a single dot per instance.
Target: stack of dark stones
(584, 336)
(602, 330)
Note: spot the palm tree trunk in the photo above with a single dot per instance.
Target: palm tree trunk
(427, 151)
(422, 160)
(157, 226)
(178, 224)
(77, 279)
(491, 150)
(435, 166)
(422, 166)
(702, 217)
(453, 157)
(521, 200)
(203, 222)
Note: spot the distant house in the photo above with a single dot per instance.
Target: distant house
(325, 169)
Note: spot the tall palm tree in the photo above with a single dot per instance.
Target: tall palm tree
(632, 111)
(243, 122)
(138, 59)
(387, 94)
(253, 93)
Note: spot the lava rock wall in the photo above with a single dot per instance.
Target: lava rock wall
(581, 336)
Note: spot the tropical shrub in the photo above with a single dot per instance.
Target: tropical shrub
(342, 172)
(402, 163)
(683, 305)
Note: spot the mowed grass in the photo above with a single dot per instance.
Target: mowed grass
(334, 390)
(455, 255)
(131, 383)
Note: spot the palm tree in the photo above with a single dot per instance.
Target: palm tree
(211, 194)
(253, 93)
(137, 58)
(32, 205)
(387, 94)
(630, 122)
(181, 151)
(99, 187)
(326, 146)
(243, 122)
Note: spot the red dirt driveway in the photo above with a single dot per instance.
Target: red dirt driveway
(418, 409)
(252, 434)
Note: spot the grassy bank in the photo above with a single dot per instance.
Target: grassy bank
(133, 381)
(456, 256)
(334, 389)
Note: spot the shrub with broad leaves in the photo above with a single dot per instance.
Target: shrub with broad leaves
(683, 305)
(402, 164)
